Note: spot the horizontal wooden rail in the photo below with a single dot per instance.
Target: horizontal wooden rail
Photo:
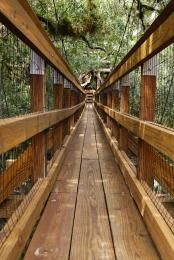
(16, 241)
(19, 17)
(160, 232)
(17, 130)
(157, 37)
(159, 137)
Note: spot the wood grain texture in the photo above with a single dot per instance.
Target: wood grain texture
(53, 234)
(52, 238)
(17, 130)
(131, 239)
(19, 16)
(91, 234)
(58, 98)
(159, 230)
(18, 172)
(16, 241)
(159, 137)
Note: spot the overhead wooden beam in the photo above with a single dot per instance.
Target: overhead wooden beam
(159, 137)
(17, 130)
(18, 16)
(158, 36)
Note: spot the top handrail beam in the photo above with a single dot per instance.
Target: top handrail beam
(159, 35)
(19, 17)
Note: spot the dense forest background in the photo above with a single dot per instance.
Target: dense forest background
(94, 35)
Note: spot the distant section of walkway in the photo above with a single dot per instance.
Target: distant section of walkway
(90, 213)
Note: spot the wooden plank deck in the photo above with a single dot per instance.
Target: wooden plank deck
(90, 213)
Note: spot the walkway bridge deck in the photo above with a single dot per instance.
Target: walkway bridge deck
(90, 213)
(73, 186)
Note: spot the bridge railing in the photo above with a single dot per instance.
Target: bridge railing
(136, 105)
(40, 103)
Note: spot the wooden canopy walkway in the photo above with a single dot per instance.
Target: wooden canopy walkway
(90, 213)
(86, 181)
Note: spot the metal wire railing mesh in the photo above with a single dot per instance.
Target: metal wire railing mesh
(17, 184)
(49, 88)
(14, 75)
(161, 187)
(156, 168)
(135, 88)
(165, 87)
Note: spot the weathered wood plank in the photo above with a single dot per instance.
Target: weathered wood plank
(131, 239)
(52, 238)
(91, 234)
(159, 230)
(53, 234)
(12, 249)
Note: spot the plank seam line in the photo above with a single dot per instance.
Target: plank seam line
(107, 210)
(77, 192)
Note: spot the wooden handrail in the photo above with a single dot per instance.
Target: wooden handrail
(157, 37)
(158, 136)
(14, 131)
(18, 16)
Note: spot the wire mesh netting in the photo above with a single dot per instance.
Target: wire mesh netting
(165, 87)
(161, 186)
(14, 75)
(49, 88)
(15, 181)
(135, 91)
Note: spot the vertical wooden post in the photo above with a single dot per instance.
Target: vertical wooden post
(124, 108)
(115, 104)
(67, 103)
(37, 88)
(72, 104)
(58, 104)
(75, 103)
(147, 112)
(109, 105)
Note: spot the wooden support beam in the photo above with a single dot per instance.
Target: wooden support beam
(158, 136)
(124, 108)
(72, 119)
(109, 104)
(67, 103)
(147, 112)
(14, 131)
(37, 86)
(58, 104)
(115, 105)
